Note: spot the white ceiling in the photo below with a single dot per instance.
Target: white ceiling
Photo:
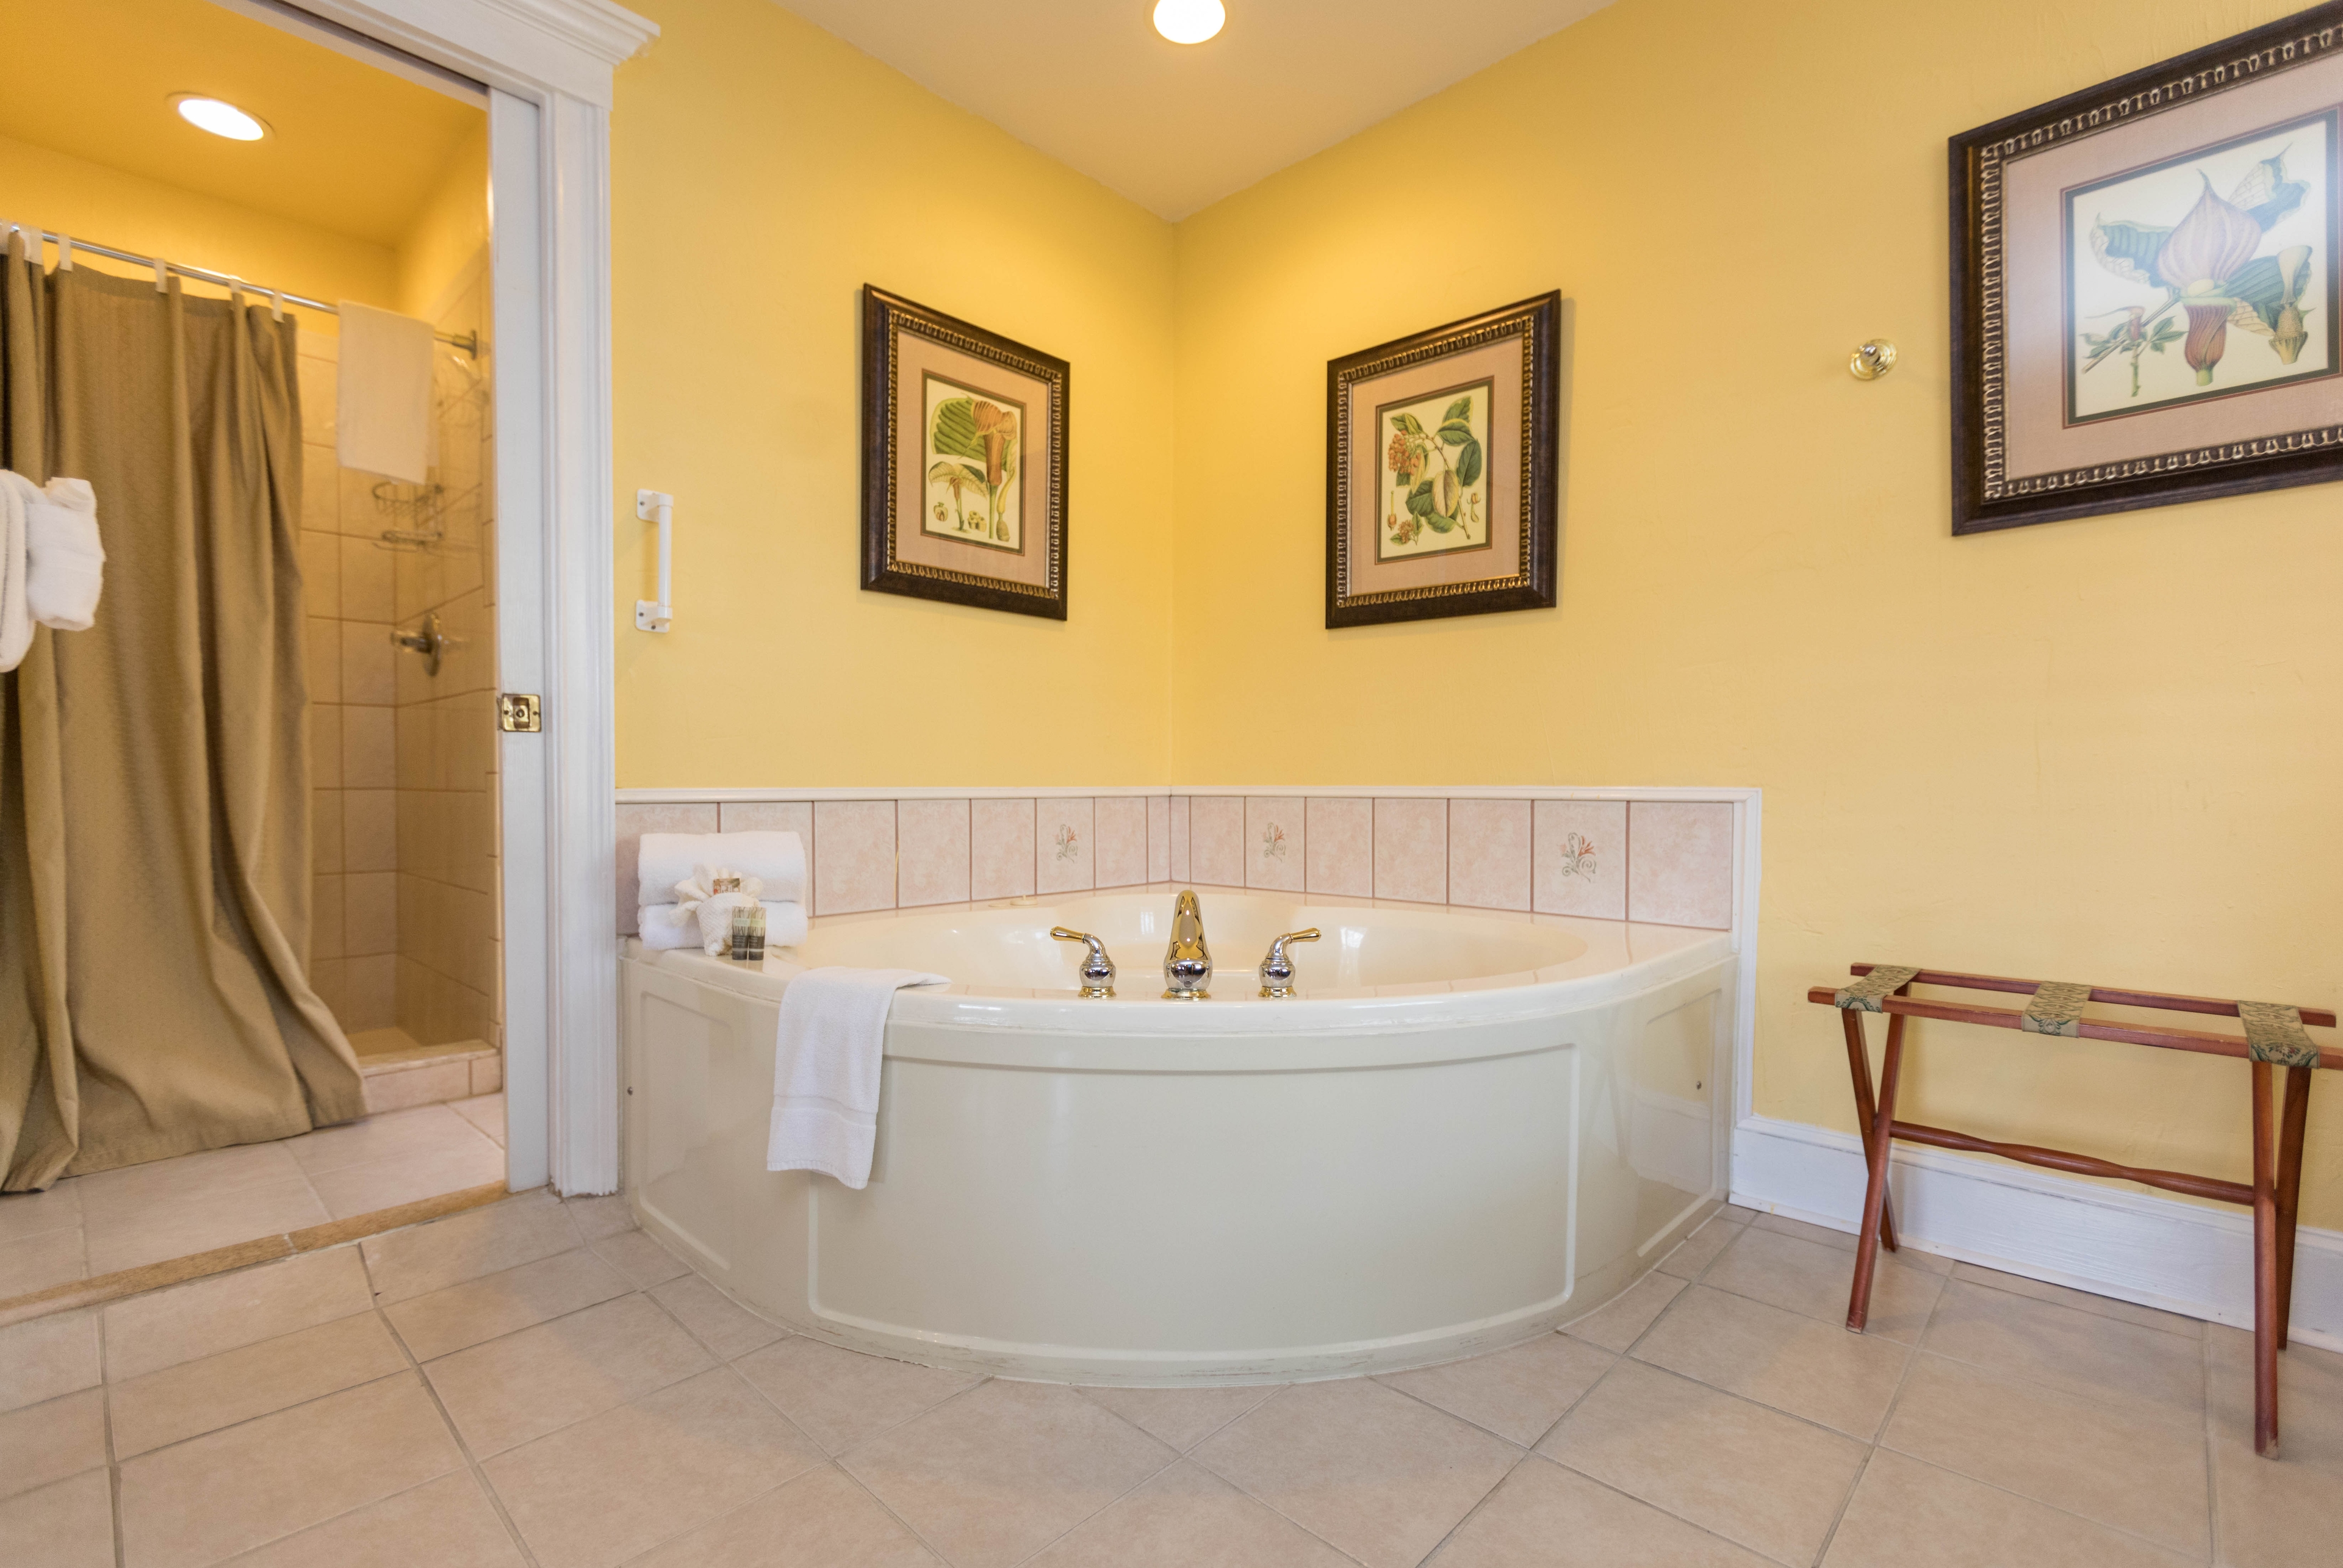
(1177, 127)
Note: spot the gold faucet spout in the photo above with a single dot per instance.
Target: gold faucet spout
(1187, 961)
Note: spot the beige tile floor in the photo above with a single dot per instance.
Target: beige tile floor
(540, 1382)
(89, 1225)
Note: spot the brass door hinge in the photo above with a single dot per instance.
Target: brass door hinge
(519, 713)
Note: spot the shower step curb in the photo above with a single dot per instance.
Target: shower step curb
(430, 1074)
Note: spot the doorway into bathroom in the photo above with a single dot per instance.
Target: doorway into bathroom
(250, 927)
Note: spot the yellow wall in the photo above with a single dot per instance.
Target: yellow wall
(2104, 749)
(761, 173)
(55, 191)
(449, 230)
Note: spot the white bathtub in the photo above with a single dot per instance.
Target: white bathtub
(1467, 1129)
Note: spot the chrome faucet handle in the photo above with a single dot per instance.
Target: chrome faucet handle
(1187, 962)
(1277, 969)
(1097, 970)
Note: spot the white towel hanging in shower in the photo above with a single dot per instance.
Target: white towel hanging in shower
(383, 393)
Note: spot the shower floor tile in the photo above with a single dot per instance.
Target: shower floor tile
(588, 1416)
(86, 1226)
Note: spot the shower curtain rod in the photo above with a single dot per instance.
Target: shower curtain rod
(469, 342)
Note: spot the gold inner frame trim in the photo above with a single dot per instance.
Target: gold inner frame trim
(1520, 325)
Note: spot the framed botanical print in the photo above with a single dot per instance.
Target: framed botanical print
(2146, 295)
(1441, 469)
(963, 462)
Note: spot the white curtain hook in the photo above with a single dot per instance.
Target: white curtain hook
(65, 253)
(275, 305)
(162, 277)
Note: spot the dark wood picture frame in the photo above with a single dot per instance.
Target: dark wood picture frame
(886, 318)
(1537, 322)
(1984, 500)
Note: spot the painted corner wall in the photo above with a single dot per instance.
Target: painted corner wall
(449, 231)
(762, 171)
(2101, 750)
(64, 193)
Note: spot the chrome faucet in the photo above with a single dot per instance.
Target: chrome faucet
(1187, 962)
(1097, 970)
(1277, 969)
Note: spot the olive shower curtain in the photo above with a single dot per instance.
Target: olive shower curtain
(153, 770)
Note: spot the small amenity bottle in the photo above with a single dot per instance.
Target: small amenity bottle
(747, 943)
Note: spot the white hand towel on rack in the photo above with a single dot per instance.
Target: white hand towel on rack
(827, 1058)
(64, 561)
(383, 395)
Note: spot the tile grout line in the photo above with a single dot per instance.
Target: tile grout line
(112, 1464)
(463, 1446)
(1870, 1450)
(1243, 1490)
(2212, 1464)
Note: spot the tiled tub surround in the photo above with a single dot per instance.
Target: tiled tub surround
(1657, 858)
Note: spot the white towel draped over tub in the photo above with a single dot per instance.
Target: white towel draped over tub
(826, 1065)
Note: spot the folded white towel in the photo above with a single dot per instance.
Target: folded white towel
(16, 494)
(64, 561)
(383, 393)
(826, 1064)
(774, 859)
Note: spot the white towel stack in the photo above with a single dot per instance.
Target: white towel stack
(52, 564)
(680, 908)
(827, 1060)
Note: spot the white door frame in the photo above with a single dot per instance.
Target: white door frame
(547, 65)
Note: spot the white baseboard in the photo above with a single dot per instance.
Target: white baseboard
(2183, 1258)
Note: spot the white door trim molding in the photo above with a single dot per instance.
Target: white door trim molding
(2181, 1257)
(548, 65)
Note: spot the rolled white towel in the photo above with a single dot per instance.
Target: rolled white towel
(667, 925)
(774, 859)
(64, 561)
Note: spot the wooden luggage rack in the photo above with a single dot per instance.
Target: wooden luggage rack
(2274, 1036)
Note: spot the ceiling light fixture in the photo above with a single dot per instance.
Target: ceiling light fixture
(1189, 21)
(221, 119)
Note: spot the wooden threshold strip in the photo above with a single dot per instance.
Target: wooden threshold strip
(236, 1255)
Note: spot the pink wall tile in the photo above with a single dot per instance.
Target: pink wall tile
(1159, 837)
(854, 856)
(931, 858)
(1581, 859)
(634, 821)
(1000, 848)
(1064, 846)
(1275, 837)
(1216, 840)
(1412, 850)
(1178, 870)
(1341, 842)
(1489, 854)
(774, 816)
(1679, 863)
(1122, 845)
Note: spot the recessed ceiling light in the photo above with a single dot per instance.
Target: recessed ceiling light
(1189, 21)
(222, 119)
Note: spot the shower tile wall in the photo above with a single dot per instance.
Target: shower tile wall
(449, 935)
(405, 927)
(348, 581)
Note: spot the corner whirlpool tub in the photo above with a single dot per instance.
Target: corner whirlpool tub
(1465, 1129)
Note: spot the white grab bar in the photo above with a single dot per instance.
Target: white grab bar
(652, 506)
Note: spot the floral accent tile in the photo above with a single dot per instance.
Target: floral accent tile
(931, 852)
(1489, 854)
(1412, 850)
(1216, 840)
(1121, 858)
(1000, 848)
(1581, 859)
(1159, 837)
(1341, 845)
(1274, 837)
(634, 821)
(854, 856)
(1679, 863)
(1065, 854)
